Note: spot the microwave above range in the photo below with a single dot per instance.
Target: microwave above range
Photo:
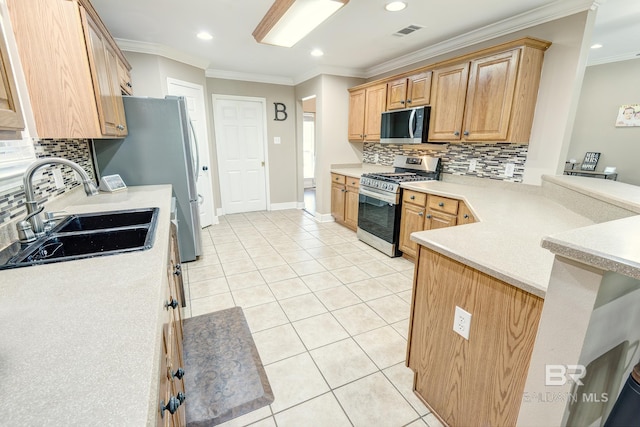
(408, 126)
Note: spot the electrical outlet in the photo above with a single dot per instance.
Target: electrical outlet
(277, 140)
(462, 323)
(57, 178)
(472, 165)
(508, 169)
(376, 157)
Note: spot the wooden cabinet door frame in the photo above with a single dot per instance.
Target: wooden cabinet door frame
(492, 83)
(10, 109)
(448, 94)
(376, 102)
(357, 102)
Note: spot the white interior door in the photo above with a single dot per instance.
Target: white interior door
(194, 96)
(240, 144)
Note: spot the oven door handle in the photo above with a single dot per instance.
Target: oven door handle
(388, 198)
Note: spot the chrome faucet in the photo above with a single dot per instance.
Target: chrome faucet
(33, 212)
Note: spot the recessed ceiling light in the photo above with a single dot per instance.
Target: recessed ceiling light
(596, 46)
(317, 52)
(203, 35)
(395, 6)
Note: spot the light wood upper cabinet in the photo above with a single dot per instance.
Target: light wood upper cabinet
(125, 79)
(407, 92)
(487, 99)
(449, 90)
(365, 108)
(10, 111)
(70, 65)
(106, 79)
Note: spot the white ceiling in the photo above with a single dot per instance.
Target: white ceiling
(357, 41)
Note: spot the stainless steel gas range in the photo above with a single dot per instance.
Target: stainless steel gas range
(380, 200)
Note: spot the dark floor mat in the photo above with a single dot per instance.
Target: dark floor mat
(224, 374)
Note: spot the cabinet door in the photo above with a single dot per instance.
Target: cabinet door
(448, 95)
(337, 202)
(376, 101)
(356, 115)
(419, 89)
(351, 208)
(10, 111)
(397, 94)
(106, 82)
(436, 219)
(465, 216)
(492, 82)
(411, 220)
(125, 79)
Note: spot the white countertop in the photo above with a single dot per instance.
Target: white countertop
(81, 339)
(619, 194)
(505, 242)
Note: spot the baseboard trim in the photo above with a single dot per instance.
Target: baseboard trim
(324, 217)
(283, 206)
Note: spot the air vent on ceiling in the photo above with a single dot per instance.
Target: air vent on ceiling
(407, 30)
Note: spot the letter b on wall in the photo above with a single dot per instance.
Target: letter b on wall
(281, 112)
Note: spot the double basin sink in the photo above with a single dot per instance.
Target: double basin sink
(86, 235)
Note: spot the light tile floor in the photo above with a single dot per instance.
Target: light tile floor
(329, 316)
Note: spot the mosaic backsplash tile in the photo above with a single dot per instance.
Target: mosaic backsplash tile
(490, 158)
(12, 200)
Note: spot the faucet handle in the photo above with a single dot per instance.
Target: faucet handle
(54, 215)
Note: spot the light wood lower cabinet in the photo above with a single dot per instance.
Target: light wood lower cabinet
(479, 381)
(344, 200)
(422, 211)
(172, 396)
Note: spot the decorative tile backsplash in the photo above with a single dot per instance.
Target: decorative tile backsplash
(12, 200)
(490, 158)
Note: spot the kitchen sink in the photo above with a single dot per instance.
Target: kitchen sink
(86, 235)
(100, 221)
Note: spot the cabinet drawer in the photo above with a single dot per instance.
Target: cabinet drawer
(338, 179)
(414, 197)
(352, 182)
(443, 204)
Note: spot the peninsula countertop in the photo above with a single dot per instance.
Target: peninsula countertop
(81, 339)
(505, 242)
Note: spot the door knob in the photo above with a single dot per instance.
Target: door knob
(205, 168)
(262, 163)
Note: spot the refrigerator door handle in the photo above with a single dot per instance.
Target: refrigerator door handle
(197, 149)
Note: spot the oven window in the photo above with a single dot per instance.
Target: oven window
(378, 218)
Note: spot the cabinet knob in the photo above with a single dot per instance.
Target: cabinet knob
(429, 216)
(177, 270)
(172, 406)
(420, 213)
(408, 101)
(412, 197)
(456, 133)
(179, 373)
(466, 216)
(466, 133)
(173, 304)
(181, 397)
(441, 204)
(402, 102)
(129, 84)
(120, 127)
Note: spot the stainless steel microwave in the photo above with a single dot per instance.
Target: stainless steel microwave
(408, 126)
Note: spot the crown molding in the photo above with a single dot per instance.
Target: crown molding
(614, 58)
(335, 71)
(249, 77)
(541, 15)
(161, 50)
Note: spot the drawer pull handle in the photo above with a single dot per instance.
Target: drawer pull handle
(441, 204)
(412, 197)
(171, 406)
(179, 373)
(173, 304)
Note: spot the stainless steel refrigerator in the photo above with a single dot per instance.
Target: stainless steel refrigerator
(159, 149)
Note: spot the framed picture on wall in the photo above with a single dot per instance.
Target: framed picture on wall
(628, 115)
(590, 161)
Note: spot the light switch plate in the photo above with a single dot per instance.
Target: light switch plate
(57, 178)
(277, 140)
(473, 163)
(509, 168)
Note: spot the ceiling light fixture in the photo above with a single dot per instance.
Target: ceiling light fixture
(288, 21)
(395, 6)
(596, 46)
(203, 35)
(317, 52)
